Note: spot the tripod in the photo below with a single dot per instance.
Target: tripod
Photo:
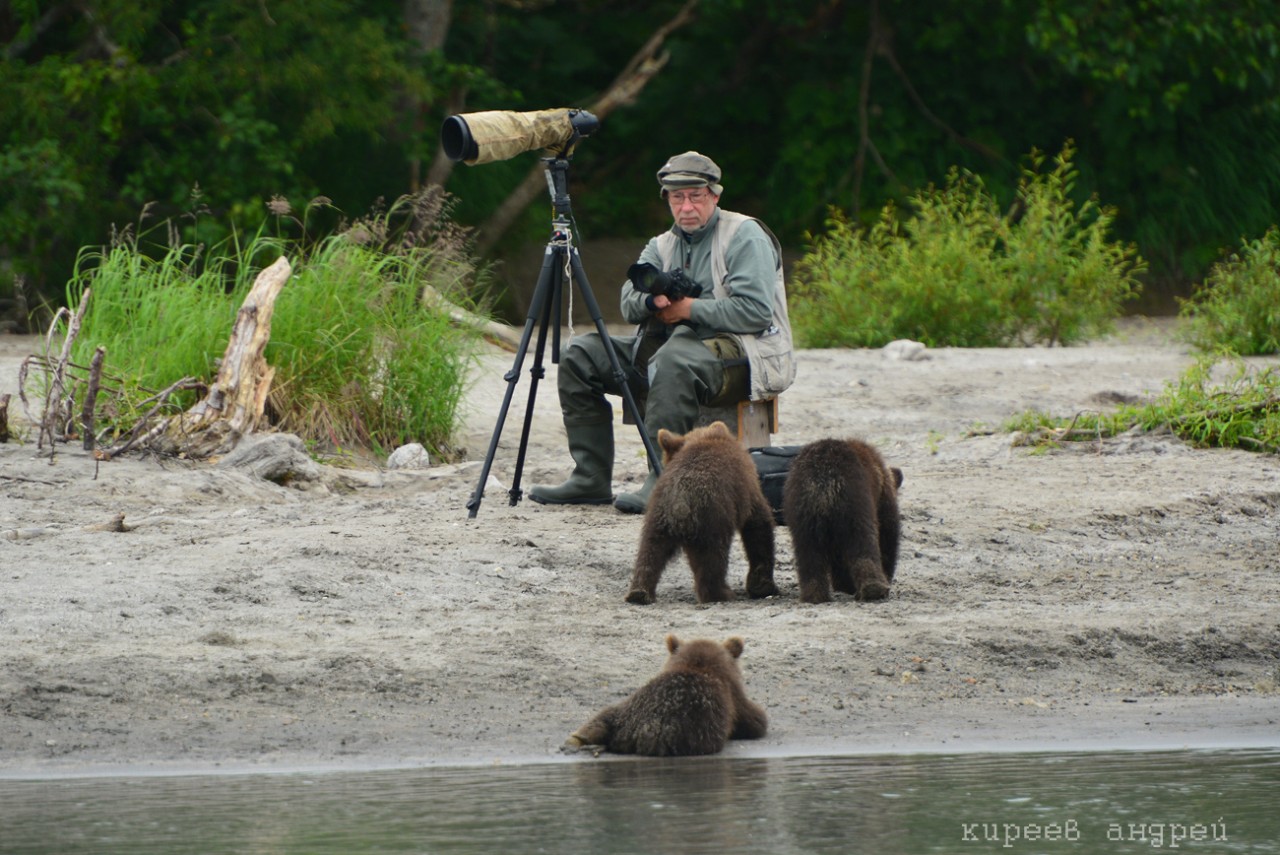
(559, 261)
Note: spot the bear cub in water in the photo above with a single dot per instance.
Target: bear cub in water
(840, 501)
(708, 490)
(694, 706)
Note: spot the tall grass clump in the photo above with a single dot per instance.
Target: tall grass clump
(956, 271)
(1237, 307)
(160, 316)
(360, 359)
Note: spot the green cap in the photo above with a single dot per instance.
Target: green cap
(690, 169)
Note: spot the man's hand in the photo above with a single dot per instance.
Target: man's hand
(672, 313)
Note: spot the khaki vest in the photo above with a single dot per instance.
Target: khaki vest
(770, 356)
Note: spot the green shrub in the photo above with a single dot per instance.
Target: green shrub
(1237, 307)
(1066, 279)
(360, 360)
(957, 272)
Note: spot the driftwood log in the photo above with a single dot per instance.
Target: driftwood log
(235, 402)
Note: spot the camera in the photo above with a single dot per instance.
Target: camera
(501, 134)
(672, 284)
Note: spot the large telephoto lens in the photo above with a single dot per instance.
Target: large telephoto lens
(500, 134)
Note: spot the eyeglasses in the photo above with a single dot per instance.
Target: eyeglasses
(697, 197)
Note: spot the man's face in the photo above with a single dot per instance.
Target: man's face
(692, 208)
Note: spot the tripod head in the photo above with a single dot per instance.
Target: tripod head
(557, 171)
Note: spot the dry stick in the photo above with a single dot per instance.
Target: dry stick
(91, 396)
(1257, 444)
(53, 411)
(1065, 434)
(1097, 428)
(161, 399)
(67, 419)
(54, 392)
(27, 480)
(22, 385)
(236, 400)
(43, 363)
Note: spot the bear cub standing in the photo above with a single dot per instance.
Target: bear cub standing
(840, 501)
(708, 490)
(694, 706)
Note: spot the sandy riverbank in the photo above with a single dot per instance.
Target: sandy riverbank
(1118, 594)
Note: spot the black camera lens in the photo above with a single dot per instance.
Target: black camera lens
(456, 138)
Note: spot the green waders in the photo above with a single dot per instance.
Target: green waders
(591, 483)
(683, 373)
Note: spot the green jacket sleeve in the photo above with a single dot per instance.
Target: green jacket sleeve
(634, 310)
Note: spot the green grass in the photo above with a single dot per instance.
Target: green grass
(360, 362)
(1241, 411)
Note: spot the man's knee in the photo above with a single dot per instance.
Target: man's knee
(682, 354)
(580, 361)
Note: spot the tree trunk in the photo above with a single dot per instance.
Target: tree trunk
(427, 24)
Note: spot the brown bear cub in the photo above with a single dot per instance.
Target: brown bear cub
(694, 706)
(840, 501)
(708, 490)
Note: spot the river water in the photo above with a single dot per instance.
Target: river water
(1114, 802)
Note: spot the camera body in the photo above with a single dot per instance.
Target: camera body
(672, 284)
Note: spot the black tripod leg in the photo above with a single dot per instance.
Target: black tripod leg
(550, 321)
(536, 310)
(619, 373)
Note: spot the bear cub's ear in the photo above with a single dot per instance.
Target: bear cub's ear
(720, 427)
(673, 643)
(670, 442)
(734, 645)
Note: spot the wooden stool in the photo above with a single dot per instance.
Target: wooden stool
(752, 421)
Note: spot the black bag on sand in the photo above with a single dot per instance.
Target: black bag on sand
(772, 463)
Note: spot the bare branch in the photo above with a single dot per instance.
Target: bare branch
(864, 101)
(91, 396)
(136, 437)
(18, 47)
(623, 91)
(54, 417)
(885, 48)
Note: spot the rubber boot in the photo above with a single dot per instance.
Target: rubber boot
(635, 503)
(591, 483)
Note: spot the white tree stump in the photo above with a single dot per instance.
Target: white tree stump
(235, 402)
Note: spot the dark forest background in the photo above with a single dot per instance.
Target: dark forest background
(200, 113)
